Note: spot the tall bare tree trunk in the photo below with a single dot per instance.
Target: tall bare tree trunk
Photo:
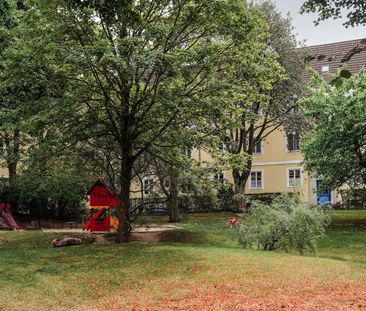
(12, 145)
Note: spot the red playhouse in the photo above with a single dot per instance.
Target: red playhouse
(102, 203)
(8, 217)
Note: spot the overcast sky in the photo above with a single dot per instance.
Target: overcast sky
(327, 32)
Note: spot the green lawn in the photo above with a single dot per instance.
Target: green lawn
(204, 269)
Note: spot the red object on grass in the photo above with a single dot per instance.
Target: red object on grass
(100, 222)
(234, 221)
(103, 198)
(9, 219)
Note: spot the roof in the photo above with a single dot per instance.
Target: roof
(104, 183)
(337, 55)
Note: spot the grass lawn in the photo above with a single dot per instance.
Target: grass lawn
(205, 269)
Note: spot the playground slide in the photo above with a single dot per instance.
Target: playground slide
(10, 221)
(98, 223)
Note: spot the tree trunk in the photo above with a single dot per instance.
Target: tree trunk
(12, 146)
(123, 206)
(173, 199)
(240, 180)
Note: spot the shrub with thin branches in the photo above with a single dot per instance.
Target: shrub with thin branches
(285, 224)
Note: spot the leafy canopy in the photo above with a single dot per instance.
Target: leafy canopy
(356, 10)
(335, 147)
(131, 73)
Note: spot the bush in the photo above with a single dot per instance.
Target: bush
(286, 224)
(354, 198)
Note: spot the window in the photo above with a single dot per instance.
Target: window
(294, 178)
(220, 177)
(256, 180)
(258, 148)
(166, 183)
(148, 186)
(2, 147)
(189, 153)
(325, 68)
(186, 188)
(293, 142)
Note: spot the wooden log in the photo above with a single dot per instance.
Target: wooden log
(65, 242)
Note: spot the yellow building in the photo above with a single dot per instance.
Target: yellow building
(277, 163)
(278, 167)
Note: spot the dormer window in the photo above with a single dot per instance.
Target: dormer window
(325, 68)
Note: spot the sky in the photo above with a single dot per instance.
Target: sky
(327, 32)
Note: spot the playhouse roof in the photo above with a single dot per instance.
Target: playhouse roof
(103, 182)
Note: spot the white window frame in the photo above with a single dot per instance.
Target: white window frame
(288, 177)
(148, 192)
(261, 144)
(250, 179)
(218, 174)
(286, 143)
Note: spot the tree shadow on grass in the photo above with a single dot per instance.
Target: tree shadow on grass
(345, 240)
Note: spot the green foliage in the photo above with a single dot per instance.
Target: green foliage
(356, 14)
(52, 182)
(353, 199)
(130, 78)
(334, 148)
(286, 224)
(56, 193)
(269, 91)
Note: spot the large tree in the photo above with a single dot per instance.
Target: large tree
(265, 107)
(335, 147)
(15, 94)
(133, 69)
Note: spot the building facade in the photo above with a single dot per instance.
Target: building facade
(277, 164)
